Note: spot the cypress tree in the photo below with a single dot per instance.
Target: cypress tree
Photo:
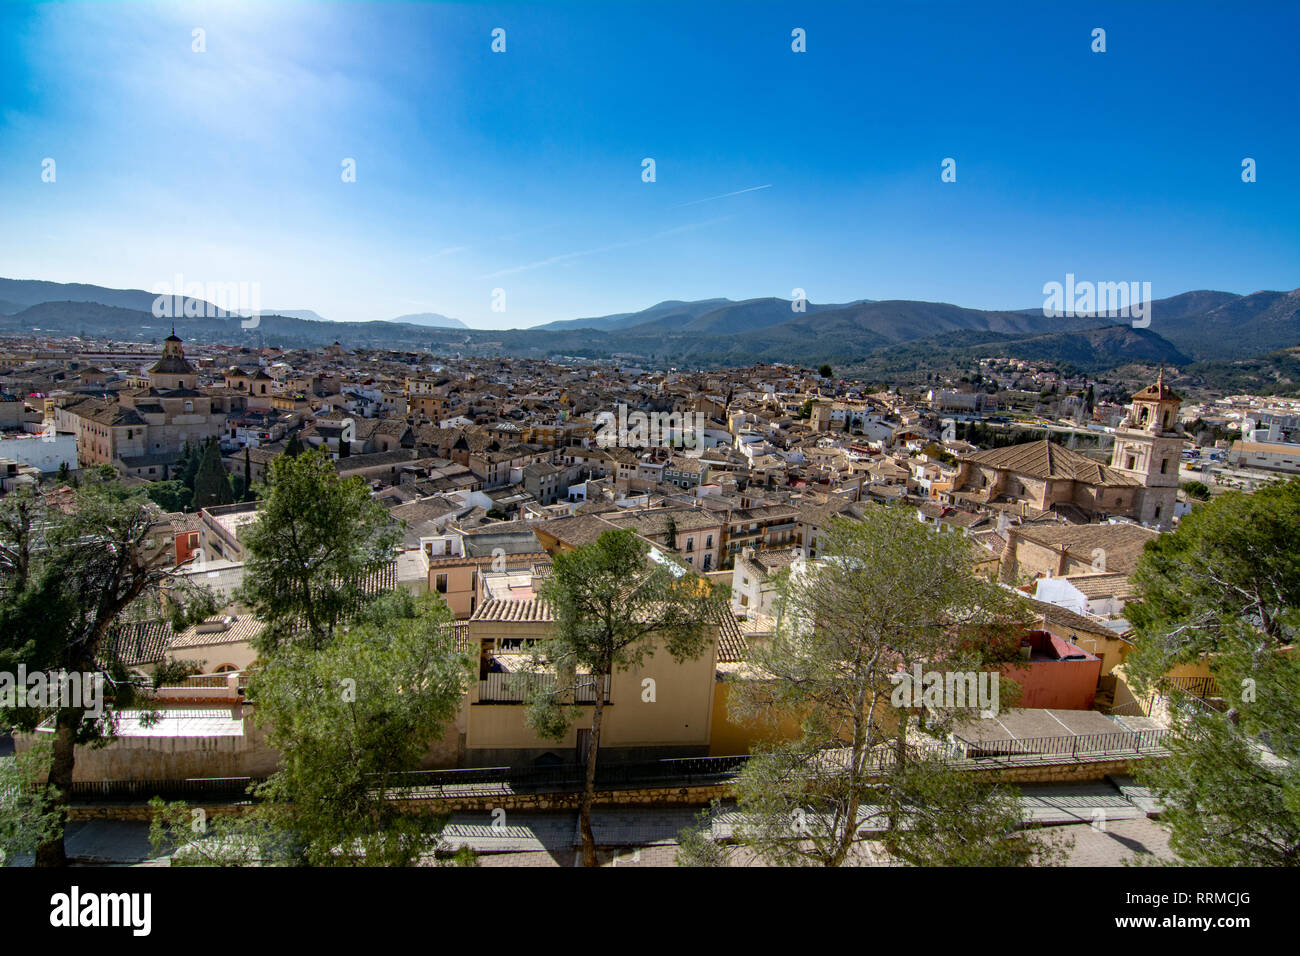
(211, 483)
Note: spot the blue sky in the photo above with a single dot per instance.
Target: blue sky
(522, 170)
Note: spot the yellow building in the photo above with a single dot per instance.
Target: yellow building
(660, 709)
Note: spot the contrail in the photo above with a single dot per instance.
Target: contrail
(592, 252)
(695, 202)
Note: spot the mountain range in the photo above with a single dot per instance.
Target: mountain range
(1202, 326)
(19, 294)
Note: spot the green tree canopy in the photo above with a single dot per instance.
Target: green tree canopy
(1224, 590)
(1229, 574)
(308, 555)
(350, 719)
(888, 595)
(170, 495)
(67, 577)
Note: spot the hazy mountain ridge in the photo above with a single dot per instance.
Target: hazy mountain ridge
(666, 310)
(433, 320)
(307, 314)
(1196, 326)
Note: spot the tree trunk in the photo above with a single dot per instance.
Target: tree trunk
(51, 853)
(861, 752)
(589, 787)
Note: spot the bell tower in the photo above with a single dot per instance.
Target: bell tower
(173, 370)
(1148, 447)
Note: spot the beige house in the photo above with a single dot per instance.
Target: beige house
(458, 578)
(219, 645)
(660, 709)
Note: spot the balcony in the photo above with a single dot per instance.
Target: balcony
(515, 688)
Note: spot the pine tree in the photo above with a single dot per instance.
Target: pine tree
(888, 596)
(614, 608)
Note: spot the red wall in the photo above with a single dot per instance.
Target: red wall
(1062, 685)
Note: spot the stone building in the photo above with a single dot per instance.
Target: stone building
(1141, 481)
(143, 432)
(1041, 476)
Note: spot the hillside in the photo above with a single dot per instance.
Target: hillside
(1089, 351)
(1245, 325)
(1277, 373)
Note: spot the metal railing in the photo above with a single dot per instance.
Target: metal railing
(676, 772)
(518, 687)
(222, 788)
(1200, 687)
(201, 680)
(1184, 693)
(1073, 745)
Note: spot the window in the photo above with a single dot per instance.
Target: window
(1164, 464)
(440, 582)
(708, 542)
(690, 545)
